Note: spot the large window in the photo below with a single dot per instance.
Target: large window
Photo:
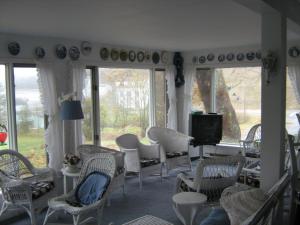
(3, 110)
(160, 98)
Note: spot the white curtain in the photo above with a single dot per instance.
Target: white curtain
(53, 133)
(294, 74)
(78, 73)
(171, 92)
(189, 74)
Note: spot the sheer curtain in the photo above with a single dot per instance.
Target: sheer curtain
(171, 92)
(294, 74)
(53, 133)
(189, 75)
(78, 74)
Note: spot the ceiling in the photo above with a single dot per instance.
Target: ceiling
(160, 24)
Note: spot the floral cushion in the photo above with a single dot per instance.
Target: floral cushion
(40, 188)
(149, 162)
(175, 154)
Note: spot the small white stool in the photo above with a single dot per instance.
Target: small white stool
(187, 204)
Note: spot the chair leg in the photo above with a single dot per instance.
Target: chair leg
(32, 216)
(123, 188)
(3, 208)
(47, 216)
(75, 220)
(141, 182)
(161, 172)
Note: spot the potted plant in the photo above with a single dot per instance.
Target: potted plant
(3, 133)
(71, 161)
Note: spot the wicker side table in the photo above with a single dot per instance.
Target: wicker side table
(148, 220)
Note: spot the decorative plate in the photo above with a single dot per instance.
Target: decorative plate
(74, 53)
(195, 59)
(61, 51)
(155, 57)
(294, 52)
(123, 55)
(14, 48)
(250, 55)
(258, 55)
(148, 56)
(104, 53)
(114, 54)
(221, 58)
(164, 57)
(131, 56)
(39, 52)
(230, 56)
(140, 56)
(210, 57)
(86, 48)
(202, 59)
(240, 56)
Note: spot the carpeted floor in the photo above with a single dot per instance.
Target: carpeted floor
(154, 199)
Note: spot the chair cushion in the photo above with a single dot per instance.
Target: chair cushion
(149, 162)
(92, 188)
(38, 189)
(217, 216)
(175, 154)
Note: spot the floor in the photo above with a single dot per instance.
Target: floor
(155, 199)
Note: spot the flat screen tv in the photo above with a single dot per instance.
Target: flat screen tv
(205, 128)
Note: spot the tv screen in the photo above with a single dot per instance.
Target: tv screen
(205, 128)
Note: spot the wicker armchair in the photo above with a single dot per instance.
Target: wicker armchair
(139, 158)
(87, 151)
(103, 162)
(174, 147)
(212, 176)
(23, 185)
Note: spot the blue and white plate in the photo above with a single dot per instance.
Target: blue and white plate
(86, 48)
(155, 57)
(61, 51)
(140, 56)
(250, 55)
(240, 56)
(131, 56)
(230, 56)
(114, 54)
(74, 53)
(14, 48)
(221, 58)
(210, 57)
(202, 59)
(104, 53)
(294, 52)
(39, 52)
(123, 55)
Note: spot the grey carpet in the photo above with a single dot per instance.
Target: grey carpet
(154, 199)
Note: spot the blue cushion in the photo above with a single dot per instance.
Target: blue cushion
(217, 216)
(92, 188)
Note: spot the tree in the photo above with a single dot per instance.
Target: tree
(24, 123)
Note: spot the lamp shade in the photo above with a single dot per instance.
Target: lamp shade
(71, 110)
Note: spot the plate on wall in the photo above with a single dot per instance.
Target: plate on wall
(61, 51)
(230, 56)
(210, 57)
(240, 56)
(250, 55)
(164, 57)
(114, 54)
(104, 53)
(155, 57)
(294, 52)
(140, 56)
(131, 56)
(39, 52)
(86, 48)
(202, 59)
(123, 55)
(74, 53)
(14, 48)
(147, 56)
(221, 58)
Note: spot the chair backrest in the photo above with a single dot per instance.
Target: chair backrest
(127, 141)
(254, 133)
(213, 175)
(14, 164)
(103, 162)
(170, 140)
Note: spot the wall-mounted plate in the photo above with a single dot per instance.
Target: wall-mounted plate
(294, 52)
(14, 48)
(164, 57)
(221, 58)
(104, 53)
(61, 51)
(230, 56)
(86, 48)
(114, 55)
(240, 56)
(202, 59)
(250, 55)
(140, 56)
(74, 53)
(123, 55)
(131, 56)
(39, 52)
(210, 57)
(155, 58)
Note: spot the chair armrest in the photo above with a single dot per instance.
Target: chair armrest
(149, 151)
(186, 180)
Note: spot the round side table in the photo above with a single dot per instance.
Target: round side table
(74, 175)
(187, 205)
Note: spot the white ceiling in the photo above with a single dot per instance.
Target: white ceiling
(159, 24)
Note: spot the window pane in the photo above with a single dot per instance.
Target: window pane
(29, 116)
(3, 110)
(87, 109)
(124, 103)
(160, 98)
(238, 98)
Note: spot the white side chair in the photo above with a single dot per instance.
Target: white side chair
(139, 158)
(174, 147)
(104, 163)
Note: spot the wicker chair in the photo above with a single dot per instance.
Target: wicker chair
(139, 158)
(213, 175)
(23, 185)
(87, 151)
(103, 162)
(251, 145)
(174, 147)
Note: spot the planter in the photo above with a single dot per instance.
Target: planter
(3, 136)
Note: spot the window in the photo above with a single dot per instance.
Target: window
(3, 110)
(29, 115)
(160, 98)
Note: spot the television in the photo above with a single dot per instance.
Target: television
(206, 129)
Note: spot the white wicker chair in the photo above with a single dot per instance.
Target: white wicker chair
(87, 151)
(103, 162)
(174, 147)
(212, 176)
(139, 158)
(18, 179)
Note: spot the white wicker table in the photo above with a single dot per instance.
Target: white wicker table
(148, 220)
(187, 205)
(73, 175)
